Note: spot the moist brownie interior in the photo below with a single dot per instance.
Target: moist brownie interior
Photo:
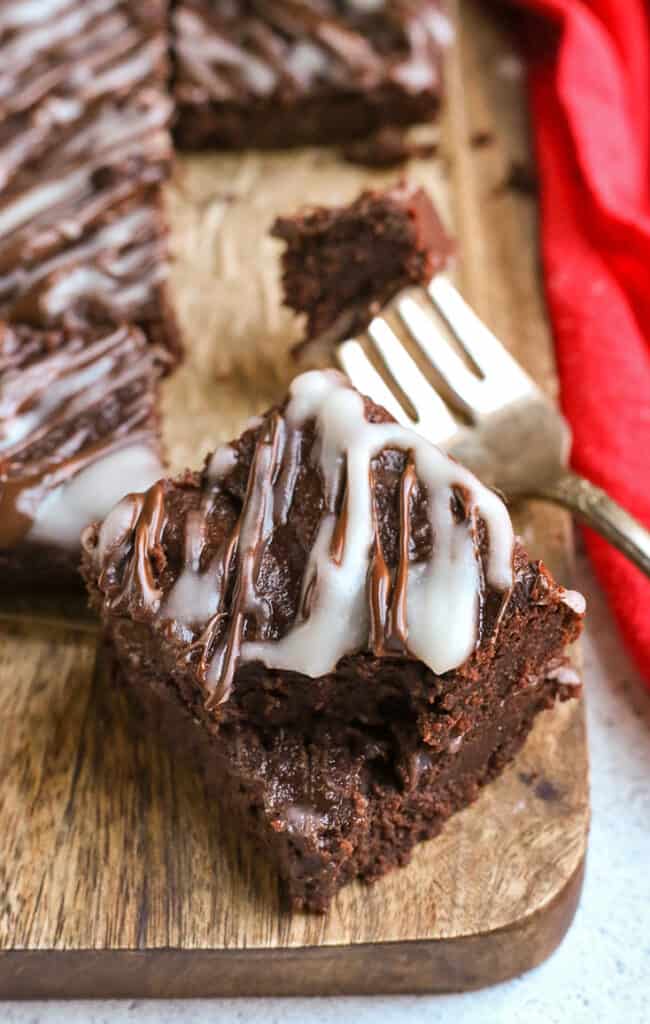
(342, 265)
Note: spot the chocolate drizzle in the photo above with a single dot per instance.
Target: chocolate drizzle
(340, 530)
(380, 586)
(151, 521)
(282, 48)
(371, 578)
(253, 530)
(397, 633)
(388, 591)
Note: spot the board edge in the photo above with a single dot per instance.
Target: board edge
(419, 966)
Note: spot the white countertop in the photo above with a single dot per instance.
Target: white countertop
(601, 972)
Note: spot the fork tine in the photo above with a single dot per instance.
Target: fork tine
(355, 363)
(481, 345)
(433, 416)
(462, 383)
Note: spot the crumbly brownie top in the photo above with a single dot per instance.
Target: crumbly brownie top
(241, 50)
(83, 147)
(78, 428)
(325, 530)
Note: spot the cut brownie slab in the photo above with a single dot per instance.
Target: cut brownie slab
(84, 147)
(78, 430)
(285, 72)
(333, 599)
(342, 264)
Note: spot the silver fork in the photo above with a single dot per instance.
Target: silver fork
(517, 440)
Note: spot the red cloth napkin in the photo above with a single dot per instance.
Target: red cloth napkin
(590, 98)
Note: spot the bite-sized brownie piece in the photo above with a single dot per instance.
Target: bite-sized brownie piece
(78, 430)
(343, 264)
(275, 73)
(84, 148)
(331, 577)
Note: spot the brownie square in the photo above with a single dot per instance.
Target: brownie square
(84, 148)
(334, 610)
(78, 430)
(275, 73)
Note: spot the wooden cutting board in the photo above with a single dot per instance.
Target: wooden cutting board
(117, 877)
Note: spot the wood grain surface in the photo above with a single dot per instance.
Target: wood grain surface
(117, 876)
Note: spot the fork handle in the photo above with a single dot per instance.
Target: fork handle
(596, 509)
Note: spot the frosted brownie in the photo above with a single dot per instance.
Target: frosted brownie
(84, 147)
(275, 73)
(333, 597)
(78, 430)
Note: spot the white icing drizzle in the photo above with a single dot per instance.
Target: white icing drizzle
(70, 275)
(566, 675)
(455, 744)
(193, 598)
(29, 205)
(118, 523)
(440, 27)
(306, 62)
(24, 13)
(91, 494)
(130, 71)
(223, 460)
(307, 46)
(87, 281)
(574, 600)
(195, 595)
(14, 428)
(442, 594)
(367, 6)
(197, 47)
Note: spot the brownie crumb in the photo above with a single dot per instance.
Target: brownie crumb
(390, 147)
(481, 139)
(520, 178)
(546, 791)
